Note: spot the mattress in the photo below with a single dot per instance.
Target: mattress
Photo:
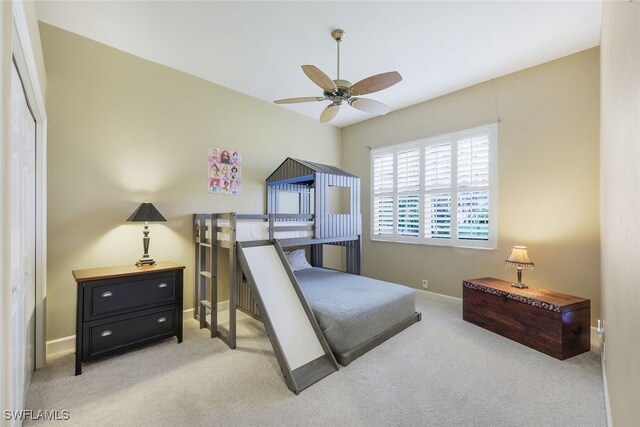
(259, 230)
(353, 309)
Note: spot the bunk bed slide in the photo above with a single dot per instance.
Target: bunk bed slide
(300, 347)
(356, 313)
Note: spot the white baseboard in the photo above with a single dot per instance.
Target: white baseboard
(222, 305)
(437, 297)
(607, 405)
(68, 344)
(596, 341)
(61, 345)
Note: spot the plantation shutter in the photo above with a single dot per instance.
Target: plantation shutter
(473, 187)
(408, 164)
(437, 191)
(383, 179)
(437, 185)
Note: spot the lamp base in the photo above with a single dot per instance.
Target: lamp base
(145, 261)
(519, 285)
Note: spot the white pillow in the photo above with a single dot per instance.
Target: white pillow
(297, 260)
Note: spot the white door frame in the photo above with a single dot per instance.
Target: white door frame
(5, 202)
(15, 42)
(23, 54)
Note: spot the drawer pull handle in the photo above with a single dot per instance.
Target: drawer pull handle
(105, 333)
(162, 285)
(162, 319)
(107, 294)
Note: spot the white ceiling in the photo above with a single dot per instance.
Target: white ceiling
(257, 47)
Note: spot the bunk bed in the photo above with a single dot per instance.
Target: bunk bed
(355, 313)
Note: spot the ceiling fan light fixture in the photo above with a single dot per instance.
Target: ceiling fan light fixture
(340, 90)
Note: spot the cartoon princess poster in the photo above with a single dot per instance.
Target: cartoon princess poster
(224, 171)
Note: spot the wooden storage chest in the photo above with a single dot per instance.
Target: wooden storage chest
(551, 322)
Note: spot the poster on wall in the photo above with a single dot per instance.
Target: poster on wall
(224, 171)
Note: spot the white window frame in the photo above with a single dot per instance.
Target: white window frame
(454, 189)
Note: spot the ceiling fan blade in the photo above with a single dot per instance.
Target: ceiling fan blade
(369, 106)
(375, 83)
(319, 78)
(295, 100)
(329, 113)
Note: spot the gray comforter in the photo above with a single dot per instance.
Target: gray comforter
(353, 309)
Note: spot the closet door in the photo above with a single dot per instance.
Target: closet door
(23, 235)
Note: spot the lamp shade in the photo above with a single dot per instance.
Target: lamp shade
(146, 212)
(519, 257)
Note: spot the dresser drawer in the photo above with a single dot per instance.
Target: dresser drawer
(118, 295)
(108, 336)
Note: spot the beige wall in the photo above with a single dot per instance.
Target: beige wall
(122, 130)
(547, 186)
(620, 206)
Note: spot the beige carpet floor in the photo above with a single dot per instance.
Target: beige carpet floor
(441, 371)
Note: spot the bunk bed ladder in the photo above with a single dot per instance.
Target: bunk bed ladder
(206, 301)
(206, 280)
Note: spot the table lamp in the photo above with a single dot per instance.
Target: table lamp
(520, 260)
(146, 213)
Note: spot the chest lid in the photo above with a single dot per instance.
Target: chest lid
(546, 299)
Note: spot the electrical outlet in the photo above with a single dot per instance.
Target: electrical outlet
(425, 283)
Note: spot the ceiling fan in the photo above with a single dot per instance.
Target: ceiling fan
(339, 90)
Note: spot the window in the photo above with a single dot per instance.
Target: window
(437, 191)
(288, 202)
(338, 200)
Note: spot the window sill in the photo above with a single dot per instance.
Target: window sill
(437, 245)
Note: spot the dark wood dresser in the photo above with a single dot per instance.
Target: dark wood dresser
(551, 322)
(119, 308)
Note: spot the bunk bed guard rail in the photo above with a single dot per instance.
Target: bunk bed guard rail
(291, 230)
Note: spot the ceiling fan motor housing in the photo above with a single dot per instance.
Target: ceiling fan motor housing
(342, 84)
(341, 93)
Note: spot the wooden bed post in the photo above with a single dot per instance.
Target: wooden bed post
(358, 244)
(353, 249)
(233, 280)
(317, 255)
(213, 263)
(196, 246)
(271, 226)
(201, 266)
